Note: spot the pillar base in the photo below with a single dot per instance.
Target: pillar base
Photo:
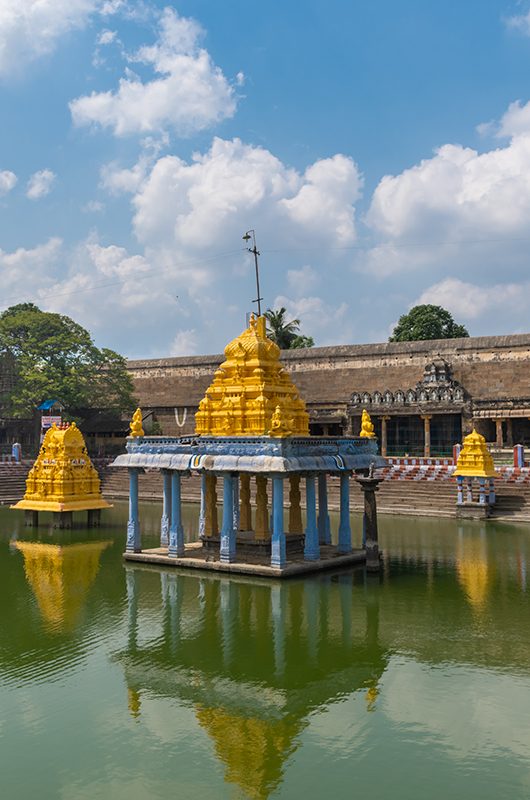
(373, 559)
(63, 519)
(94, 518)
(473, 510)
(31, 519)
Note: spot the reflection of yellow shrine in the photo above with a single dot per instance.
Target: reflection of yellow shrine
(60, 577)
(63, 477)
(254, 750)
(251, 394)
(473, 571)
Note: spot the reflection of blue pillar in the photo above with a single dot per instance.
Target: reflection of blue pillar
(166, 510)
(344, 545)
(312, 547)
(278, 625)
(132, 609)
(176, 531)
(278, 554)
(133, 526)
(324, 528)
(202, 513)
(312, 603)
(228, 601)
(227, 552)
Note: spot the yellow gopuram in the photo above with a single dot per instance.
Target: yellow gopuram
(475, 460)
(63, 479)
(252, 394)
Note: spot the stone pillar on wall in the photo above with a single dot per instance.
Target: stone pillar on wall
(509, 432)
(499, 439)
(384, 421)
(427, 435)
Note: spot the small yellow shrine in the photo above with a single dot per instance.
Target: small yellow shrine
(367, 426)
(252, 394)
(63, 478)
(475, 464)
(475, 460)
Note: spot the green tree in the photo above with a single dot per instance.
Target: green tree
(55, 358)
(427, 322)
(286, 334)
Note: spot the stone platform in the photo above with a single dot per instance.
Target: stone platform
(196, 557)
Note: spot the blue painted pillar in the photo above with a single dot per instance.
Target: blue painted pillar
(311, 547)
(133, 526)
(482, 491)
(324, 528)
(344, 544)
(227, 552)
(202, 513)
(491, 498)
(460, 490)
(166, 509)
(236, 503)
(176, 531)
(278, 554)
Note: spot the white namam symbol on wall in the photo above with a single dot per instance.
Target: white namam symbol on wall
(181, 422)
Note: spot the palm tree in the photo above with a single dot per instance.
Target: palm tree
(285, 334)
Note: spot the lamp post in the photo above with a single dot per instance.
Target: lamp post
(254, 250)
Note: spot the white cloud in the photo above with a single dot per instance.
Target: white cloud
(106, 37)
(446, 206)
(40, 184)
(185, 343)
(8, 181)
(468, 301)
(520, 22)
(30, 29)
(211, 200)
(93, 207)
(330, 188)
(302, 280)
(28, 267)
(187, 93)
(317, 318)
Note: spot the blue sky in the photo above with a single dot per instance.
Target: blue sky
(381, 151)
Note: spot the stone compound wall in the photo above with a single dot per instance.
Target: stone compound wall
(493, 370)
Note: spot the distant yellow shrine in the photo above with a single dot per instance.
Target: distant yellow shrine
(63, 478)
(252, 394)
(475, 460)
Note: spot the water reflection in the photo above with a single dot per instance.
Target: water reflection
(254, 661)
(60, 577)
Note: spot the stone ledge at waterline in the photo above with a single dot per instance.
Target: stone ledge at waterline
(423, 496)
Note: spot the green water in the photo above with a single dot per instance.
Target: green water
(125, 682)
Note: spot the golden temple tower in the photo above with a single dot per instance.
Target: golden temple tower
(252, 394)
(63, 479)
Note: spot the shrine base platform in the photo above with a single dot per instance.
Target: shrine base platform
(197, 557)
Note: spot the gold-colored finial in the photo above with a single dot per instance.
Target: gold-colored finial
(367, 426)
(136, 423)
